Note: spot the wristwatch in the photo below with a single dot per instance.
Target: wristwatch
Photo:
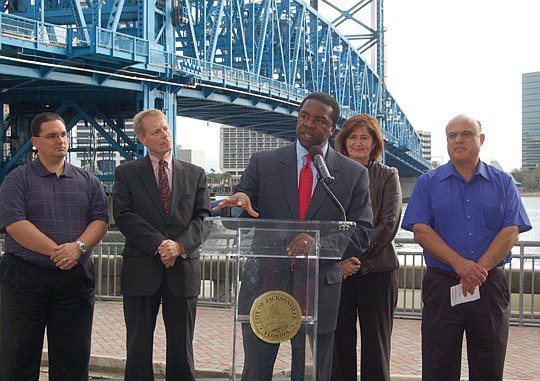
(82, 246)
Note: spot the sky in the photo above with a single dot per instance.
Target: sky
(445, 58)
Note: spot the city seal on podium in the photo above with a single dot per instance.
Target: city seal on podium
(275, 317)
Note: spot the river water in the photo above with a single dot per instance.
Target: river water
(532, 206)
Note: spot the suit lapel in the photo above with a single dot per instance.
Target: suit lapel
(148, 178)
(289, 178)
(179, 174)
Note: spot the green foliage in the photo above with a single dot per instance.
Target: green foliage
(529, 179)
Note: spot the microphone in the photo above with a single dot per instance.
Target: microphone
(316, 153)
(325, 178)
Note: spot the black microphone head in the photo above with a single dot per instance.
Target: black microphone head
(314, 151)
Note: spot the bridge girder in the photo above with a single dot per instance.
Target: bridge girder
(246, 63)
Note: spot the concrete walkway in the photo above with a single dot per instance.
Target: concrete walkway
(214, 337)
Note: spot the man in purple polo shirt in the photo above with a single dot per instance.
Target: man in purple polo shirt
(466, 215)
(52, 214)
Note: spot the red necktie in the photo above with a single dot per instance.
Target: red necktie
(164, 189)
(304, 187)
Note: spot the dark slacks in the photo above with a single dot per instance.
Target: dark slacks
(34, 298)
(484, 321)
(371, 299)
(140, 314)
(260, 356)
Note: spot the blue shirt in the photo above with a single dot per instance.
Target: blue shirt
(61, 207)
(466, 215)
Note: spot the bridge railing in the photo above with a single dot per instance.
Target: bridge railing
(42, 33)
(218, 273)
(66, 37)
(223, 74)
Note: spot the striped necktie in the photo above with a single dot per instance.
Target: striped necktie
(164, 188)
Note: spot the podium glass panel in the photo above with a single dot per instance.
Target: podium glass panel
(276, 287)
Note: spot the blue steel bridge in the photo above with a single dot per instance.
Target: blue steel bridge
(246, 63)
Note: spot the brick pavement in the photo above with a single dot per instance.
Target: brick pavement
(214, 335)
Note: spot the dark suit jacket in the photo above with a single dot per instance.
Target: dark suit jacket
(139, 214)
(271, 182)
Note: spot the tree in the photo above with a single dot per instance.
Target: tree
(529, 179)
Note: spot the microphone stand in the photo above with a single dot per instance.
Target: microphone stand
(342, 226)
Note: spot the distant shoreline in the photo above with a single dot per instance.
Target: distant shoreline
(530, 194)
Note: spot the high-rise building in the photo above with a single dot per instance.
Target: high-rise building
(237, 145)
(425, 139)
(530, 120)
(191, 156)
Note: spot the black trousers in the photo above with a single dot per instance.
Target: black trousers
(484, 321)
(260, 356)
(34, 298)
(371, 299)
(140, 314)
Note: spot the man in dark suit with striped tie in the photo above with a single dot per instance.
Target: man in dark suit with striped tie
(159, 204)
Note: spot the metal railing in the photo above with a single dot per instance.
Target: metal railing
(218, 272)
(523, 274)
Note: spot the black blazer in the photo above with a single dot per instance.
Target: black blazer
(271, 182)
(139, 214)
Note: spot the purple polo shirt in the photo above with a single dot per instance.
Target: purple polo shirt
(466, 215)
(59, 206)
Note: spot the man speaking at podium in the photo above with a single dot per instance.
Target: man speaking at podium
(282, 184)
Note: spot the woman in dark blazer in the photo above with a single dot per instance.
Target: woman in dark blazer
(369, 288)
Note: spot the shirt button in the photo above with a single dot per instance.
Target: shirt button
(467, 200)
(468, 217)
(470, 234)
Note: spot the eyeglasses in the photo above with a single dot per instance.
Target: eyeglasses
(54, 136)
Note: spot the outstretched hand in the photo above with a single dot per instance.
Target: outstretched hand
(238, 199)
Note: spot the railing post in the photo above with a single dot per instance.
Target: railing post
(521, 282)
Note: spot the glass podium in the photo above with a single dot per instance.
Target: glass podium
(275, 286)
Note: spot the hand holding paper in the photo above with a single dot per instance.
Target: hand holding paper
(457, 297)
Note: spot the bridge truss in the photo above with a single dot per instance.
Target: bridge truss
(238, 62)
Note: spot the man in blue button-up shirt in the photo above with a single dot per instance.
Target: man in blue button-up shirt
(466, 215)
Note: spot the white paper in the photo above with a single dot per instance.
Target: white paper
(456, 295)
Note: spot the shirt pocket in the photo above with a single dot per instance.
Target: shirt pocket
(493, 216)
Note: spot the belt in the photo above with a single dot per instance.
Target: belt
(447, 274)
(456, 277)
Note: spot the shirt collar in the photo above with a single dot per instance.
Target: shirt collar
(155, 161)
(301, 151)
(450, 170)
(42, 171)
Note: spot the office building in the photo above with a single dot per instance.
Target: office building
(530, 121)
(237, 145)
(191, 156)
(425, 139)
